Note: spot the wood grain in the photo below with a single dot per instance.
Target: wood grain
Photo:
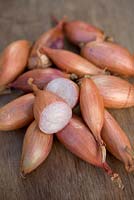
(63, 176)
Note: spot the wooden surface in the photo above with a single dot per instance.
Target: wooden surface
(63, 176)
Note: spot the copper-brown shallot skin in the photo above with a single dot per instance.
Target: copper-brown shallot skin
(54, 38)
(80, 33)
(111, 56)
(92, 107)
(13, 61)
(41, 78)
(36, 148)
(71, 62)
(117, 141)
(17, 114)
(78, 139)
(116, 92)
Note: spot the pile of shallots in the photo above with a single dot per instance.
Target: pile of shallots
(88, 80)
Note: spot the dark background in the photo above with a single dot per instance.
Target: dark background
(63, 176)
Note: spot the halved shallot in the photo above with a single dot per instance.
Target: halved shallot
(66, 89)
(50, 111)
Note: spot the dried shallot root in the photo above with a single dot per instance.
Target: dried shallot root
(71, 62)
(80, 33)
(17, 114)
(116, 92)
(54, 38)
(117, 142)
(13, 61)
(66, 89)
(92, 109)
(41, 78)
(36, 148)
(111, 56)
(51, 112)
(77, 138)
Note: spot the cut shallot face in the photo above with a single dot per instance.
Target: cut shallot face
(66, 89)
(55, 117)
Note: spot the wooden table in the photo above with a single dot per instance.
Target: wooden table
(63, 176)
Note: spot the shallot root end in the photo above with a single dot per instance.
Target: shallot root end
(33, 86)
(117, 180)
(130, 152)
(73, 77)
(130, 164)
(4, 90)
(103, 151)
(109, 39)
(114, 176)
(22, 175)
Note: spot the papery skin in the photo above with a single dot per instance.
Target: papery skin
(71, 62)
(117, 141)
(80, 33)
(41, 78)
(116, 92)
(77, 138)
(36, 148)
(17, 114)
(111, 56)
(54, 38)
(13, 61)
(92, 107)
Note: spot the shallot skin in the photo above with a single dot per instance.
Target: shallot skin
(92, 107)
(41, 78)
(17, 114)
(77, 138)
(71, 62)
(13, 61)
(79, 32)
(66, 89)
(36, 148)
(116, 92)
(111, 56)
(54, 38)
(117, 141)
